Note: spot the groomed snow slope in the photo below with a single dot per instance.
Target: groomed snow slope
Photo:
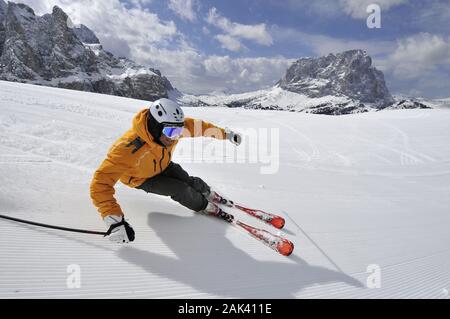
(356, 190)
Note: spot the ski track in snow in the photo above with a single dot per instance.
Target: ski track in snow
(356, 190)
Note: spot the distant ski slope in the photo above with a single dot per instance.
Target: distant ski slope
(355, 190)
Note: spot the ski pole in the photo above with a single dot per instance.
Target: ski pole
(53, 227)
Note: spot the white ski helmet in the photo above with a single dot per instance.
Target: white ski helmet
(167, 112)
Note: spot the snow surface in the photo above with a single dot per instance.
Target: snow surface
(356, 190)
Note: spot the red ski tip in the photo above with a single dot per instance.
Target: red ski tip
(277, 222)
(285, 247)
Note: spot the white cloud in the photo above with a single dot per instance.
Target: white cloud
(419, 55)
(229, 43)
(419, 65)
(184, 9)
(235, 31)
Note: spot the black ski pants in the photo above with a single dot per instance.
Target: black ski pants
(175, 182)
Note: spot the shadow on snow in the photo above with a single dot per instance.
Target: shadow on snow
(210, 263)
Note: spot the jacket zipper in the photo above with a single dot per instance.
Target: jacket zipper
(162, 158)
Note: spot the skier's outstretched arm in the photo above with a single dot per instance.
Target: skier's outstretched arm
(197, 128)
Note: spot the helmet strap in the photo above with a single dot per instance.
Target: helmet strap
(155, 129)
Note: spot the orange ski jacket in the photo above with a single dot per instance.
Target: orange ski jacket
(135, 157)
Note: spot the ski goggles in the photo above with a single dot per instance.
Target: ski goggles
(173, 132)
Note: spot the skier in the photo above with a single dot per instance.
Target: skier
(142, 159)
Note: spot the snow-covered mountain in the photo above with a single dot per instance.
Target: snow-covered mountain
(48, 50)
(335, 84)
(362, 194)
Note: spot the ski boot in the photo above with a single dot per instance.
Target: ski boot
(214, 210)
(214, 197)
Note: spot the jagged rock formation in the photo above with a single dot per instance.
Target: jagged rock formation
(49, 50)
(349, 74)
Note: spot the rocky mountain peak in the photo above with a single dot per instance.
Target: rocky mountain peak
(58, 12)
(60, 17)
(48, 50)
(85, 34)
(348, 74)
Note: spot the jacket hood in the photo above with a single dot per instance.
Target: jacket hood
(140, 127)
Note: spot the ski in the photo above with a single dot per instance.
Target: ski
(271, 219)
(279, 244)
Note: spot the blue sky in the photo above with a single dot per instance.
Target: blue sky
(240, 45)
